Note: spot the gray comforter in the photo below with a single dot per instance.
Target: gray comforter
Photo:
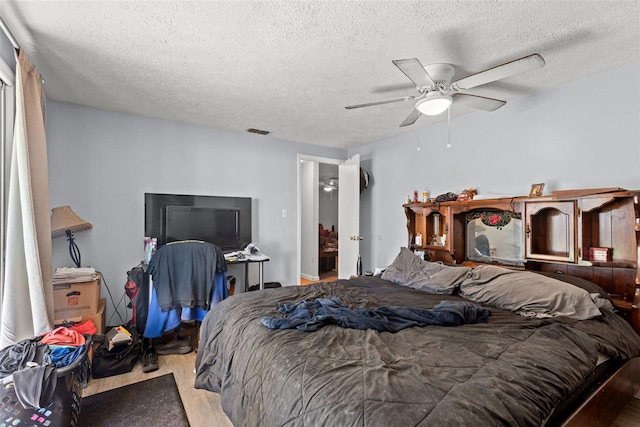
(510, 371)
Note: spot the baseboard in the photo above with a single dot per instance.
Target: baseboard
(309, 277)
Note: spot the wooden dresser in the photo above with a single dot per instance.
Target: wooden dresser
(593, 234)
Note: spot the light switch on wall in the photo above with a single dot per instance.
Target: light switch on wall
(284, 213)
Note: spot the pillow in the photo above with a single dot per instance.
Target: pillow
(585, 284)
(409, 270)
(527, 293)
(599, 296)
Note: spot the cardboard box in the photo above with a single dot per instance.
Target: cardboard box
(99, 317)
(73, 300)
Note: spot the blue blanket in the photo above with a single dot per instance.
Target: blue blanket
(311, 315)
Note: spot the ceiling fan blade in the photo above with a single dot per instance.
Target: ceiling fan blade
(413, 69)
(478, 102)
(508, 69)
(411, 118)
(388, 101)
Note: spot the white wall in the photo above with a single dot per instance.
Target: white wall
(7, 51)
(584, 135)
(101, 163)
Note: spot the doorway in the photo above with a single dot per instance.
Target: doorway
(329, 188)
(319, 188)
(327, 221)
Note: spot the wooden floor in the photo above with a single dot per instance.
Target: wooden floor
(203, 407)
(327, 276)
(630, 416)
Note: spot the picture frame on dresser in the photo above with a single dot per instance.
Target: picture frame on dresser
(536, 190)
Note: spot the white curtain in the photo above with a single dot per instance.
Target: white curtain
(27, 303)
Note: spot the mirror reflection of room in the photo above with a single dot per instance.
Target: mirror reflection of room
(495, 237)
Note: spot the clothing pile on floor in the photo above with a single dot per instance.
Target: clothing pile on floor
(31, 364)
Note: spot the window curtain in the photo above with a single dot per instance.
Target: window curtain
(27, 303)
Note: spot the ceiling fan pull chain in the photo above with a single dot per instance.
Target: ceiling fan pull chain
(449, 127)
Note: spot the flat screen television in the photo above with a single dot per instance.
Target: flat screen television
(223, 221)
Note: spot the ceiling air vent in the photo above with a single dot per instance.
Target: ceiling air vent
(258, 131)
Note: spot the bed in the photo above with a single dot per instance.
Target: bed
(526, 369)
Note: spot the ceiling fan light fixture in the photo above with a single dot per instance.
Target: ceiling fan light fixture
(330, 184)
(433, 104)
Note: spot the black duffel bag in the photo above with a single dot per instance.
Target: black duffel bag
(267, 285)
(119, 360)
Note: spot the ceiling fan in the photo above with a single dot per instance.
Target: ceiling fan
(437, 92)
(329, 184)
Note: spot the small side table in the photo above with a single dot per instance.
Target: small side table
(249, 259)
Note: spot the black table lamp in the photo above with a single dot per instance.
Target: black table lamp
(65, 222)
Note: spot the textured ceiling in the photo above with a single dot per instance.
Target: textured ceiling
(291, 67)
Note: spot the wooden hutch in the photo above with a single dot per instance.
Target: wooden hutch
(593, 234)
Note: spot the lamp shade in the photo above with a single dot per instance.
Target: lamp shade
(433, 104)
(63, 219)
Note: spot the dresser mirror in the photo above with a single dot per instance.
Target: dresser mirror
(495, 237)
